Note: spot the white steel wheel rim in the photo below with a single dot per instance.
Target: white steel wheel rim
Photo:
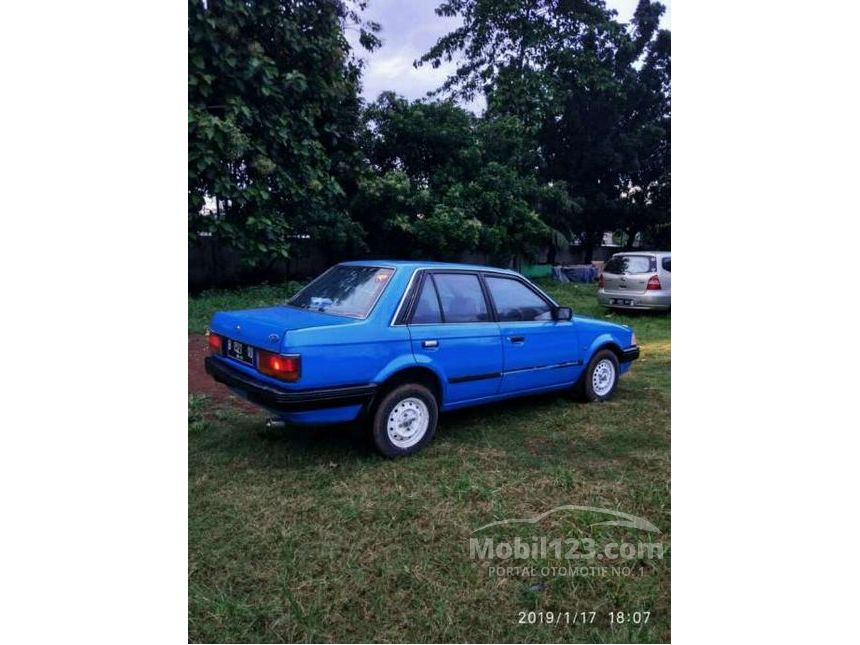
(408, 422)
(603, 377)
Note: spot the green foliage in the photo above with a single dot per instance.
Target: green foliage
(273, 111)
(442, 182)
(592, 95)
(575, 140)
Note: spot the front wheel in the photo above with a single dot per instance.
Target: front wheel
(405, 420)
(601, 376)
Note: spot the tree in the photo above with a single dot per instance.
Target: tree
(593, 92)
(441, 182)
(273, 113)
(648, 196)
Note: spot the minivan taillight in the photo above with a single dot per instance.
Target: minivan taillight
(653, 284)
(600, 283)
(286, 368)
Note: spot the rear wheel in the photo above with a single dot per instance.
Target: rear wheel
(601, 376)
(405, 420)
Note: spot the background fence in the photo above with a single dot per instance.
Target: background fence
(212, 265)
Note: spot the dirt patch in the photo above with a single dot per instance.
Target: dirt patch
(199, 382)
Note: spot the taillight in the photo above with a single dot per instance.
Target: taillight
(653, 284)
(600, 283)
(215, 342)
(286, 368)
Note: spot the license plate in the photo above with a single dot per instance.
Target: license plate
(621, 301)
(240, 351)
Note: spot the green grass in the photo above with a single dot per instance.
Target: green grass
(307, 535)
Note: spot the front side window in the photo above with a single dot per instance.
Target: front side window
(343, 291)
(631, 264)
(515, 301)
(462, 298)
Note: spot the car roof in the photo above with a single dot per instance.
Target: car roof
(426, 264)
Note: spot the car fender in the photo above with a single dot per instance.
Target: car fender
(406, 361)
(600, 341)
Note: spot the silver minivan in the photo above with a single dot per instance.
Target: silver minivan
(637, 280)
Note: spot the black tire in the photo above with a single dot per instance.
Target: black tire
(586, 386)
(386, 408)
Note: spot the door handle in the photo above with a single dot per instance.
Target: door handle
(518, 339)
(429, 343)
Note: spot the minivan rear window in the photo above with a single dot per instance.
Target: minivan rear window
(631, 264)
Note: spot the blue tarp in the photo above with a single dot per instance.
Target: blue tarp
(576, 273)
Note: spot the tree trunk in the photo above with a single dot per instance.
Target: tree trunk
(588, 249)
(631, 237)
(551, 253)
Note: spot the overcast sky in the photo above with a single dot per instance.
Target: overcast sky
(410, 28)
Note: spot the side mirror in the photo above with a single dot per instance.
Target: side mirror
(562, 313)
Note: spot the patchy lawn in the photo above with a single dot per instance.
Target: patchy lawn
(308, 535)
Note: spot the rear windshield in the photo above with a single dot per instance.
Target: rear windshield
(631, 264)
(344, 291)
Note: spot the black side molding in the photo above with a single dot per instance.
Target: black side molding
(481, 377)
(271, 397)
(534, 368)
(630, 354)
(473, 377)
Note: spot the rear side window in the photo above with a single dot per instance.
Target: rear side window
(427, 308)
(667, 264)
(462, 298)
(515, 301)
(631, 264)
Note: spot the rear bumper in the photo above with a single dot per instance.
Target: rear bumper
(288, 401)
(655, 300)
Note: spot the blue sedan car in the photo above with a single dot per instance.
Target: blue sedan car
(398, 342)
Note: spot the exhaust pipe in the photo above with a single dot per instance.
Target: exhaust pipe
(275, 424)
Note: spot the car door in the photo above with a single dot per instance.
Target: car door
(538, 352)
(451, 326)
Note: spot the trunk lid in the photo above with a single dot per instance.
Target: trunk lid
(267, 328)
